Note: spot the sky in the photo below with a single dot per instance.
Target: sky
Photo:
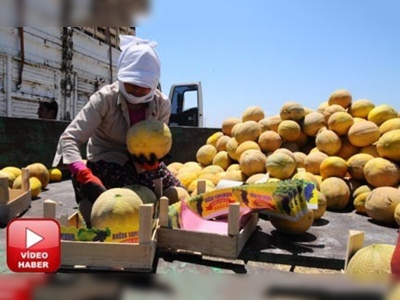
(266, 53)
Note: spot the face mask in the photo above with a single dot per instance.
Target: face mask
(133, 99)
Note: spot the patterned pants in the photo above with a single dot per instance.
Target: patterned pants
(114, 175)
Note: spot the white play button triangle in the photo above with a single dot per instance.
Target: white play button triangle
(32, 238)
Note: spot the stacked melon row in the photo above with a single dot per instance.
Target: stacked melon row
(350, 149)
(39, 177)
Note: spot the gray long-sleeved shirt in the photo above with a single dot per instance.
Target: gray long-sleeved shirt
(104, 122)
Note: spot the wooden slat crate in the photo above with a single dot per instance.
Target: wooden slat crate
(132, 257)
(209, 244)
(13, 202)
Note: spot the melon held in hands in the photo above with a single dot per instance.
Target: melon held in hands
(147, 137)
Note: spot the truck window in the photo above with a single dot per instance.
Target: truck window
(183, 98)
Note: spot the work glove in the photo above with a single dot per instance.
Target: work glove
(87, 185)
(148, 164)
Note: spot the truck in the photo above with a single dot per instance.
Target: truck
(67, 65)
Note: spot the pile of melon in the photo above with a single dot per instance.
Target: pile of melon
(39, 177)
(350, 149)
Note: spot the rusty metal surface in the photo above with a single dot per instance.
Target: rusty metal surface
(322, 247)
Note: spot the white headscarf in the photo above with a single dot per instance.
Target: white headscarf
(138, 63)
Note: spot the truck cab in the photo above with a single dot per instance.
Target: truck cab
(186, 104)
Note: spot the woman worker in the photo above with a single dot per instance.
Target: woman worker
(105, 120)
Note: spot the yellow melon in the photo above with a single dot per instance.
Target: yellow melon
(382, 113)
(336, 192)
(10, 177)
(194, 183)
(388, 145)
(322, 205)
(330, 110)
(373, 259)
(247, 145)
(307, 176)
(381, 172)
(233, 167)
(389, 125)
(356, 164)
(36, 186)
(292, 111)
(221, 143)
(280, 165)
(235, 175)
(213, 169)
(39, 171)
(328, 141)
(359, 203)
(247, 131)
(340, 123)
(340, 97)
(14, 170)
(286, 151)
(252, 162)
(255, 177)
(313, 162)
(381, 204)
(253, 113)
(228, 124)
(312, 123)
(116, 208)
(322, 106)
(299, 158)
(271, 122)
(289, 130)
(147, 137)
(361, 108)
(222, 159)
(192, 164)
(212, 139)
(365, 188)
(176, 194)
(208, 188)
(371, 150)
(293, 227)
(333, 166)
(34, 183)
(205, 154)
(269, 141)
(175, 166)
(214, 178)
(55, 175)
(363, 134)
(231, 147)
(186, 178)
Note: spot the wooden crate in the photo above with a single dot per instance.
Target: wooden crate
(355, 242)
(209, 244)
(132, 257)
(13, 202)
